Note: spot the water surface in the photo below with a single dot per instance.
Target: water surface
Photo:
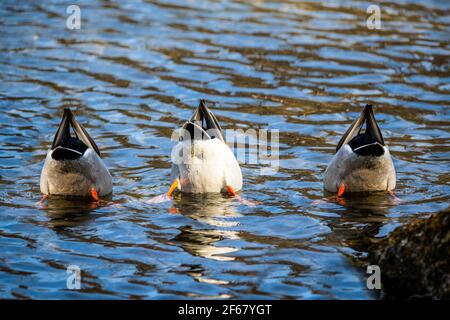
(135, 71)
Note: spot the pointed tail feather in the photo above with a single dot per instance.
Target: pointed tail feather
(372, 128)
(84, 136)
(206, 119)
(353, 130)
(63, 132)
(63, 129)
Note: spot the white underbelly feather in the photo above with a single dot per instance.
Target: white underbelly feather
(208, 167)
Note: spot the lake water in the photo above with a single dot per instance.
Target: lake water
(134, 72)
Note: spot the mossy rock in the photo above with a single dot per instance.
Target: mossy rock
(415, 259)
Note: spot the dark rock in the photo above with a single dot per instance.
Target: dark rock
(415, 259)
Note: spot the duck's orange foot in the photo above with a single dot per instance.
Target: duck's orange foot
(341, 190)
(173, 210)
(94, 194)
(337, 198)
(231, 191)
(97, 200)
(173, 187)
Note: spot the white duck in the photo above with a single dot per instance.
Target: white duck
(362, 161)
(73, 166)
(201, 161)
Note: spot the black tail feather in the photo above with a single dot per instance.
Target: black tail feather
(371, 134)
(63, 129)
(203, 119)
(372, 128)
(63, 137)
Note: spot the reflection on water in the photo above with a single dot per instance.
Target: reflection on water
(362, 221)
(66, 213)
(135, 71)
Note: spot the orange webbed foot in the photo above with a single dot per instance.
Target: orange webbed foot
(336, 198)
(94, 194)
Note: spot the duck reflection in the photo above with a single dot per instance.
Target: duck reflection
(360, 218)
(377, 203)
(198, 273)
(215, 212)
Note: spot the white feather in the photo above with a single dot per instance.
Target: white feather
(205, 166)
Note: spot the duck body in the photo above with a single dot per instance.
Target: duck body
(360, 173)
(201, 161)
(362, 162)
(73, 166)
(75, 177)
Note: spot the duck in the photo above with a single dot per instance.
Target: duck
(202, 162)
(73, 165)
(362, 162)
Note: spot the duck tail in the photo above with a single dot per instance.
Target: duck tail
(206, 120)
(64, 128)
(372, 128)
(63, 132)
